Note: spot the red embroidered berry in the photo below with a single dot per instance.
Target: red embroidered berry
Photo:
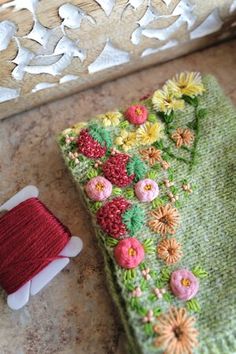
(94, 141)
(120, 218)
(121, 169)
(109, 217)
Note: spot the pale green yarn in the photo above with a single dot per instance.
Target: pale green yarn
(206, 232)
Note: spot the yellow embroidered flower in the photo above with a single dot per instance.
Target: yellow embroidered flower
(110, 118)
(148, 133)
(77, 127)
(126, 140)
(186, 83)
(167, 100)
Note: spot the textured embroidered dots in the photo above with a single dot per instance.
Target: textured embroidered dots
(184, 284)
(176, 332)
(137, 114)
(146, 190)
(164, 220)
(98, 188)
(129, 253)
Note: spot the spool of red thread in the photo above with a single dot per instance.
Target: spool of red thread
(31, 237)
(32, 240)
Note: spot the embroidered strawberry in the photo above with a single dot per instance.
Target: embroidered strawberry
(121, 169)
(119, 217)
(94, 141)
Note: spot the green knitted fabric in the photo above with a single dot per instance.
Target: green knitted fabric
(206, 231)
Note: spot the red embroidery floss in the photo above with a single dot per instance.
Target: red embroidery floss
(30, 238)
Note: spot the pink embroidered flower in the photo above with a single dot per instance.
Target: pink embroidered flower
(145, 274)
(159, 292)
(98, 188)
(129, 253)
(146, 190)
(184, 284)
(137, 114)
(149, 317)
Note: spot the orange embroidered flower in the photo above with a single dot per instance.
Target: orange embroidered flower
(169, 250)
(165, 219)
(176, 332)
(182, 137)
(152, 155)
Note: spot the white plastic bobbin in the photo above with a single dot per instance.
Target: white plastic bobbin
(74, 246)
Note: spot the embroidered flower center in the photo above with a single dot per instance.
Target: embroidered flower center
(148, 187)
(178, 332)
(138, 111)
(171, 251)
(164, 220)
(100, 186)
(132, 252)
(186, 282)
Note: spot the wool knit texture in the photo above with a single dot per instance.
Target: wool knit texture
(206, 231)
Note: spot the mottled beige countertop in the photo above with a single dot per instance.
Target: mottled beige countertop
(74, 314)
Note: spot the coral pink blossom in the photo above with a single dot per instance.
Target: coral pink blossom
(129, 253)
(98, 188)
(137, 114)
(146, 190)
(184, 284)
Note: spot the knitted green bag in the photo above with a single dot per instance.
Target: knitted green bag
(158, 181)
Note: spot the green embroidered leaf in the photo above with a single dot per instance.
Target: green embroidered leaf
(193, 305)
(152, 118)
(94, 207)
(137, 167)
(165, 275)
(193, 101)
(124, 124)
(111, 242)
(168, 297)
(202, 113)
(199, 272)
(149, 247)
(148, 329)
(167, 118)
(177, 204)
(152, 297)
(92, 173)
(116, 191)
(129, 274)
(134, 303)
(157, 311)
(129, 193)
(143, 284)
(170, 173)
(101, 135)
(160, 284)
(159, 144)
(174, 190)
(141, 310)
(133, 219)
(152, 174)
(157, 202)
(156, 167)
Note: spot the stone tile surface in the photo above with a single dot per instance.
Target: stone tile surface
(74, 314)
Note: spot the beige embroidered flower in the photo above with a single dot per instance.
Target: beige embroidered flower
(176, 332)
(164, 220)
(110, 118)
(169, 250)
(186, 83)
(126, 140)
(151, 155)
(182, 137)
(167, 101)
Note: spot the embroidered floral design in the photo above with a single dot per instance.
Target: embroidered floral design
(121, 169)
(129, 253)
(149, 317)
(137, 292)
(110, 119)
(148, 133)
(182, 137)
(146, 274)
(136, 114)
(93, 141)
(126, 140)
(74, 156)
(146, 190)
(184, 284)
(151, 155)
(169, 250)
(176, 332)
(98, 188)
(167, 100)
(189, 84)
(164, 220)
(187, 188)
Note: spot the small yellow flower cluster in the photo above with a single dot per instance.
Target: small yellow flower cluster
(110, 119)
(169, 98)
(146, 134)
